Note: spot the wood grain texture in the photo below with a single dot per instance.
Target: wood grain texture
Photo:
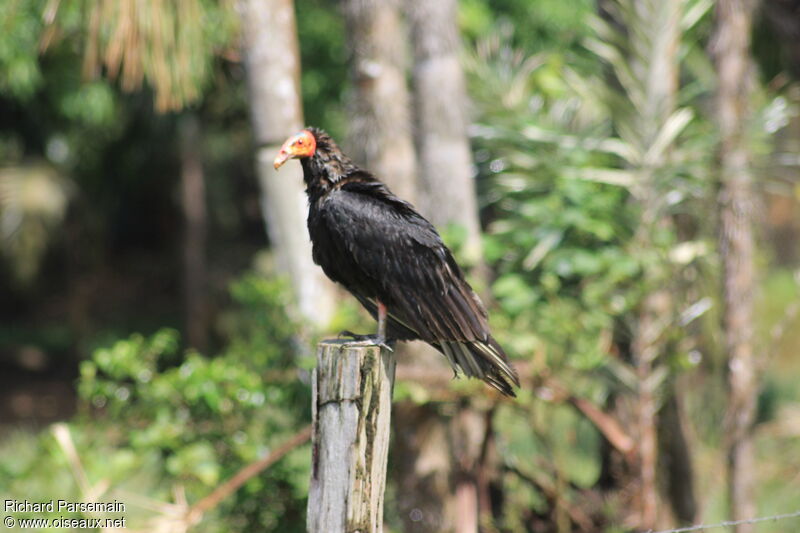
(352, 400)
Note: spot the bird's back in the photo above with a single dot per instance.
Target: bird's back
(380, 249)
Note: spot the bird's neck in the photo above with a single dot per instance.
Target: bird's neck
(324, 170)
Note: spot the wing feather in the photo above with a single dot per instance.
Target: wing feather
(397, 257)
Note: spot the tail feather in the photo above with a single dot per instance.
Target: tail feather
(483, 360)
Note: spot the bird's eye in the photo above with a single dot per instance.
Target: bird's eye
(300, 141)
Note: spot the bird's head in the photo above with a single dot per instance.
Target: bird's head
(302, 144)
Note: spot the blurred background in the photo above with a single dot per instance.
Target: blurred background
(620, 178)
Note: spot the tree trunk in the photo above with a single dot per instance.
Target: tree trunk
(445, 159)
(675, 460)
(273, 72)
(421, 453)
(467, 430)
(380, 139)
(731, 49)
(193, 202)
(448, 197)
(380, 134)
(646, 349)
(437, 482)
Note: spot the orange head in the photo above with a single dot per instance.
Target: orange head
(301, 144)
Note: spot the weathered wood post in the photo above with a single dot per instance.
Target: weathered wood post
(352, 401)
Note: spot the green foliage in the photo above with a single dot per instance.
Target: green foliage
(559, 245)
(558, 242)
(37, 467)
(171, 46)
(545, 25)
(595, 186)
(208, 417)
(321, 32)
(94, 105)
(563, 273)
(577, 166)
(193, 421)
(19, 68)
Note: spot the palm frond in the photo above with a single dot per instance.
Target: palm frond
(168, 44)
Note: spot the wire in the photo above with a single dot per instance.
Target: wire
(702, 527)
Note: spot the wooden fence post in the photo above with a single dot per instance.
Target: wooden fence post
(352, 401)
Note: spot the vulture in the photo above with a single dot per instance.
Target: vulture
(393, 261)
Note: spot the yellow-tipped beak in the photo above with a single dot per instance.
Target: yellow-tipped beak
(281, 158)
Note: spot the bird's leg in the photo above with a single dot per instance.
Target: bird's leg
(381, 322)
(378, 339)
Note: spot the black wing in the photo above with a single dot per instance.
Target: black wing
(380, 247)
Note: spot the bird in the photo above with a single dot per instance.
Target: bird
(393, 261)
